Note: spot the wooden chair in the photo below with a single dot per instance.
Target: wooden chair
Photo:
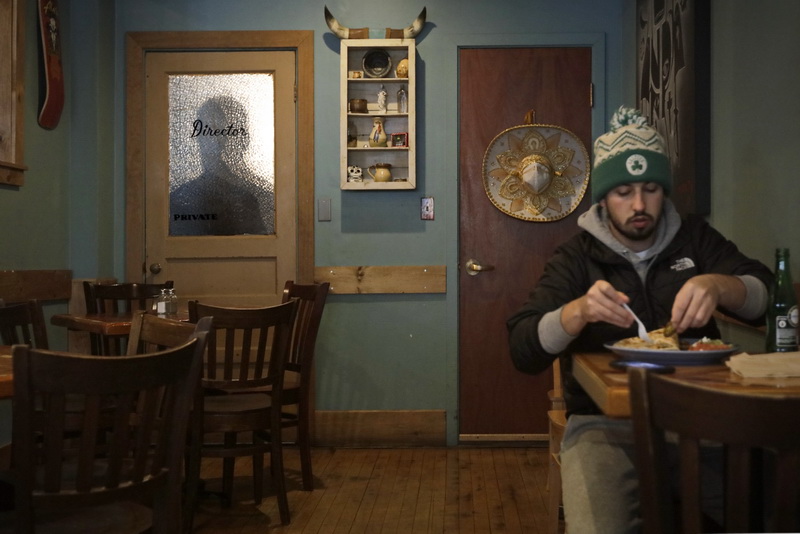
(114, 299)
(761, 455)
(557, 422)
(247, 348)
(297, 382)
(123, 473)
(23, 323)
(151, 333)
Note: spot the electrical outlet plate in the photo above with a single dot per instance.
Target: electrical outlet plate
(426, 209)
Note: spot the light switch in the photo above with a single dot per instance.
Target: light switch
(426, 209)
(324, 209)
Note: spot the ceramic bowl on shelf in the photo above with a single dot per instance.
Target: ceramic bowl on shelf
(376, 63)
(358, 105)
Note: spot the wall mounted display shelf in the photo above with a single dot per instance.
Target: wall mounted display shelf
(369, 66)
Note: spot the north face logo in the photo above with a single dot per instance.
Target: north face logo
(682, 264)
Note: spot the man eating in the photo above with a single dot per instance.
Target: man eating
(635, 249)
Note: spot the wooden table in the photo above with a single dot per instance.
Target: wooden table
(99, 326)
(608, 387)
(107, 325)
(95, 323)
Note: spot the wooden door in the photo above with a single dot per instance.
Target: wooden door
(232, 238)
(497, 87)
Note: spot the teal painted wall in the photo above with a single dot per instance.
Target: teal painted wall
(395, 351)
(389, 352)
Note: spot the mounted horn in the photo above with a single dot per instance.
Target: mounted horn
(343, 32)
(410, 31)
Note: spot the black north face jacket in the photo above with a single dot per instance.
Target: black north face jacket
(696, 249)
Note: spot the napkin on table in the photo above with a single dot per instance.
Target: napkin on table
(772, 364)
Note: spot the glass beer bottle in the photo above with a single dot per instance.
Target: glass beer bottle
(782, 313)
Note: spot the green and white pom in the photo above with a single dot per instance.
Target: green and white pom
(625, 117)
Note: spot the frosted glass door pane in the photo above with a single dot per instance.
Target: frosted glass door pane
(222, 154)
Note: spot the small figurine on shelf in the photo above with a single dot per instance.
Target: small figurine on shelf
(378, 135)
(355, 174)
(382, 99)
(402, 100)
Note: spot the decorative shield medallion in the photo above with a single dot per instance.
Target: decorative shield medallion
(536, 172)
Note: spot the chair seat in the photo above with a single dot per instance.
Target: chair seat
(291, 381)
(236, 403)
(116, 518)
(236, 413)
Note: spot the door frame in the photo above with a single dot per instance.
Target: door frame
(138, 45)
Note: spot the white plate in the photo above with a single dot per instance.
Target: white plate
(673, 357)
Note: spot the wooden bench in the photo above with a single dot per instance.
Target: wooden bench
(43, 285)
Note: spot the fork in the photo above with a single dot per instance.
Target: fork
(642, 329)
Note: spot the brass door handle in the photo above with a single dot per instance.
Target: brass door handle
(155, 268)
(473, 267)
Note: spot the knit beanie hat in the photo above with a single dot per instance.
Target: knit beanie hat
(632, 151)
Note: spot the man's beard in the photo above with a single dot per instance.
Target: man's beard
(633, 233)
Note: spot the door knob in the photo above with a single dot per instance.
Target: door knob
(155, 268)
(473, 267)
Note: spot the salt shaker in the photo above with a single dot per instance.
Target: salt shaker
(172, 302)
(161, 303)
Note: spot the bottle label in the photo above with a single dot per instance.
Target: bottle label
(786, 329)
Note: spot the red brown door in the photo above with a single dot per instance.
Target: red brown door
(497, 87)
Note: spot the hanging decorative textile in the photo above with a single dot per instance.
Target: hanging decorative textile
(52, 98)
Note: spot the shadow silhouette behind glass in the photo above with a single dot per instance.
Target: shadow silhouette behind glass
(223, 199)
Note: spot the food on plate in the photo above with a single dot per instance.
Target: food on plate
(709, 344)
(671, 342)
(660, 341)
(669, 329)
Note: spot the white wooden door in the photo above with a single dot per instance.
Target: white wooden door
(234, 241)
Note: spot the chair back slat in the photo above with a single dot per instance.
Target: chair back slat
(23, 323)
(753, 433)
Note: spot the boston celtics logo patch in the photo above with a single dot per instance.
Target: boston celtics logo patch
(636, 164)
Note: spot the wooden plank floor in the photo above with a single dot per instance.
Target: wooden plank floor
(370, 491)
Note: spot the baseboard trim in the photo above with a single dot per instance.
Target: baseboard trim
(380, 428)
(504, 439)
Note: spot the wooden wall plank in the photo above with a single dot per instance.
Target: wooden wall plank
(365, 279)
(18, 286)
